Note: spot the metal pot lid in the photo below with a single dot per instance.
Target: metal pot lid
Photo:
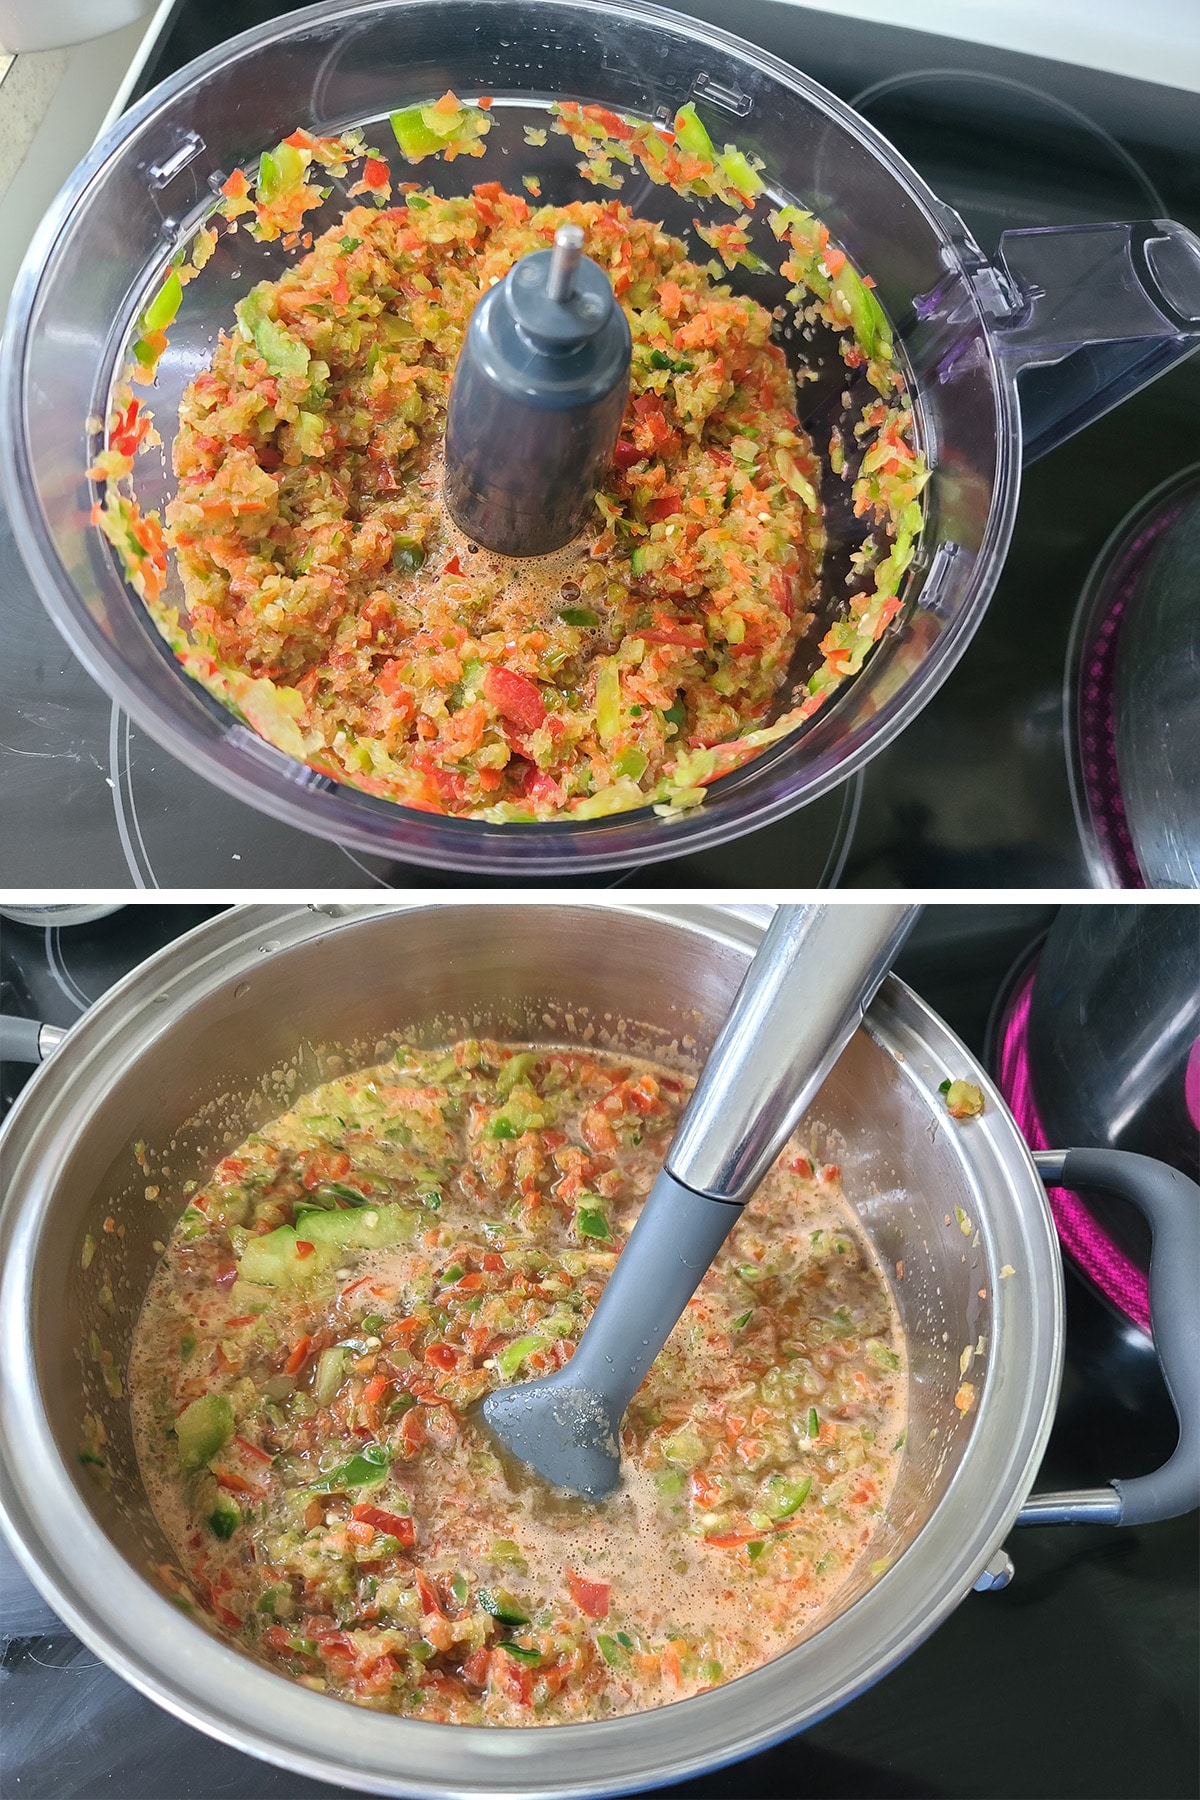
(1157, 695)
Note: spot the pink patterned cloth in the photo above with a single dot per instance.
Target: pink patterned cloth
(1090, 1246)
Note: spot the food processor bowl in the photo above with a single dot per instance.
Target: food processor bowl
(1084, 314)
(217, 1034)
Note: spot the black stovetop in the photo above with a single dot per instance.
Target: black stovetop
(975, 792)
(1080, 1679)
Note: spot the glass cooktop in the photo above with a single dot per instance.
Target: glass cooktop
(975, 793)
(1078, 1679)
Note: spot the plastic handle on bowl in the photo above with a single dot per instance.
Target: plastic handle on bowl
(1171, 1205)
(1095, 312)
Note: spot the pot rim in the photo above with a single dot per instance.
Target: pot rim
(350, 817)
(126, 1620)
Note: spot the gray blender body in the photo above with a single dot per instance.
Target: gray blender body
(1075, 306)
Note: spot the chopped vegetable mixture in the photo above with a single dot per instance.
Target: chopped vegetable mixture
(333, 604)
(354, 1278)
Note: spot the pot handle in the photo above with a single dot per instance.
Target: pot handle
(1088, 314)
(27, 1040)
(1170, 1204)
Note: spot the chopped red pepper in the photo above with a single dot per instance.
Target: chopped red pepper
(253, 1451)
(515, 698)
(705, 1491)
(690, 640)
(325, 1165)
(236, 1484)
(428, 1594)
(591, 1597)
(397, 1525)
(513, 1676)
(413, 1434)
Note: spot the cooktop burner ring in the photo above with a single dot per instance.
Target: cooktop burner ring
(1090, 676)
(1105, 1264)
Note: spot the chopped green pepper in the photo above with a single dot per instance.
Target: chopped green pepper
(513, 1355)
(201, 1429)
(503, 1606)
(407, 555)
(784, 1497)
(413, 135)
(521, 1112)
(591, 1222)
(355, 1196)
(331, 1368)
(690, 135)
(685, 1446)
(278, 170)
(165, 305)
(741, 172)
(863, 311)
(368, 1467)
(608, 698)
(225, 1516)
(517, 1068)
(678, 365)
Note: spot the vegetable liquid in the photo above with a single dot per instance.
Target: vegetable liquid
(352, 1280)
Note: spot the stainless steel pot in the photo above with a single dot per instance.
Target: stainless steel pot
(210, 1037)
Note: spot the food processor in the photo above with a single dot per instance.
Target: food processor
(1078, 316)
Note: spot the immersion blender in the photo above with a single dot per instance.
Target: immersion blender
(804, 996)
